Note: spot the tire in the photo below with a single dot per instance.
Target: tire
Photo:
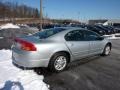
(58, 62)
(106, 50)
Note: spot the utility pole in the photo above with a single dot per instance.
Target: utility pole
(43, 20)
(41, 15)
(78, 16)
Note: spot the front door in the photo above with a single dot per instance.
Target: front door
(96, 44)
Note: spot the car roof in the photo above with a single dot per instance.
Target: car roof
(71, 28)
(60, 36)
(68, 27)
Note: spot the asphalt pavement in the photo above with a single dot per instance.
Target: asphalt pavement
(93, 73)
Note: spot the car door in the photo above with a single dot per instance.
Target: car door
(95, 41)
(76, 44)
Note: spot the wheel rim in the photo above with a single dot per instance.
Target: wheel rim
(60, 63)
(107, 50)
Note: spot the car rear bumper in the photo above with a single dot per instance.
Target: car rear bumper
(24, 61)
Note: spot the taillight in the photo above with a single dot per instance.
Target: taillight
(25, 45)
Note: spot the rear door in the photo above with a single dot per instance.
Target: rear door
(76, 44)
(96, 44)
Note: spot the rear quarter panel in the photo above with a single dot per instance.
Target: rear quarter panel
(47, 49)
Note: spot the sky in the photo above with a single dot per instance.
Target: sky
(77, 9)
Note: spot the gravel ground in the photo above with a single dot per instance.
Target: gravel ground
(94, 73)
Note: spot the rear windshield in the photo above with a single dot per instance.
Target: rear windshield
(47, 33)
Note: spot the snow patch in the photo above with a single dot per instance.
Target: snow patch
(113, 36)
(5, 55)
(1, 37)
(13, 78)
(9, 25)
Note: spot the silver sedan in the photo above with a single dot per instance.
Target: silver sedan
(55, 48)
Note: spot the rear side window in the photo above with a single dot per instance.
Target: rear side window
(49, 32)
(76, 35)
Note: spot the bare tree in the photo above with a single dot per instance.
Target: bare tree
(14, 10)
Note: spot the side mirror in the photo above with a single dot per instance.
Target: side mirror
(100, 38)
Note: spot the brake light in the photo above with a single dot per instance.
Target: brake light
(25, 45)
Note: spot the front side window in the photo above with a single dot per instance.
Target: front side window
(75, 35)
(90, 36)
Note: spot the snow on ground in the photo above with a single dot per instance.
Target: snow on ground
(1, 37)
(13, 78)
(9, 25)
(113, 36)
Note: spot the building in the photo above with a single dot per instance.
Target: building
(114, 22)
(97, 21)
